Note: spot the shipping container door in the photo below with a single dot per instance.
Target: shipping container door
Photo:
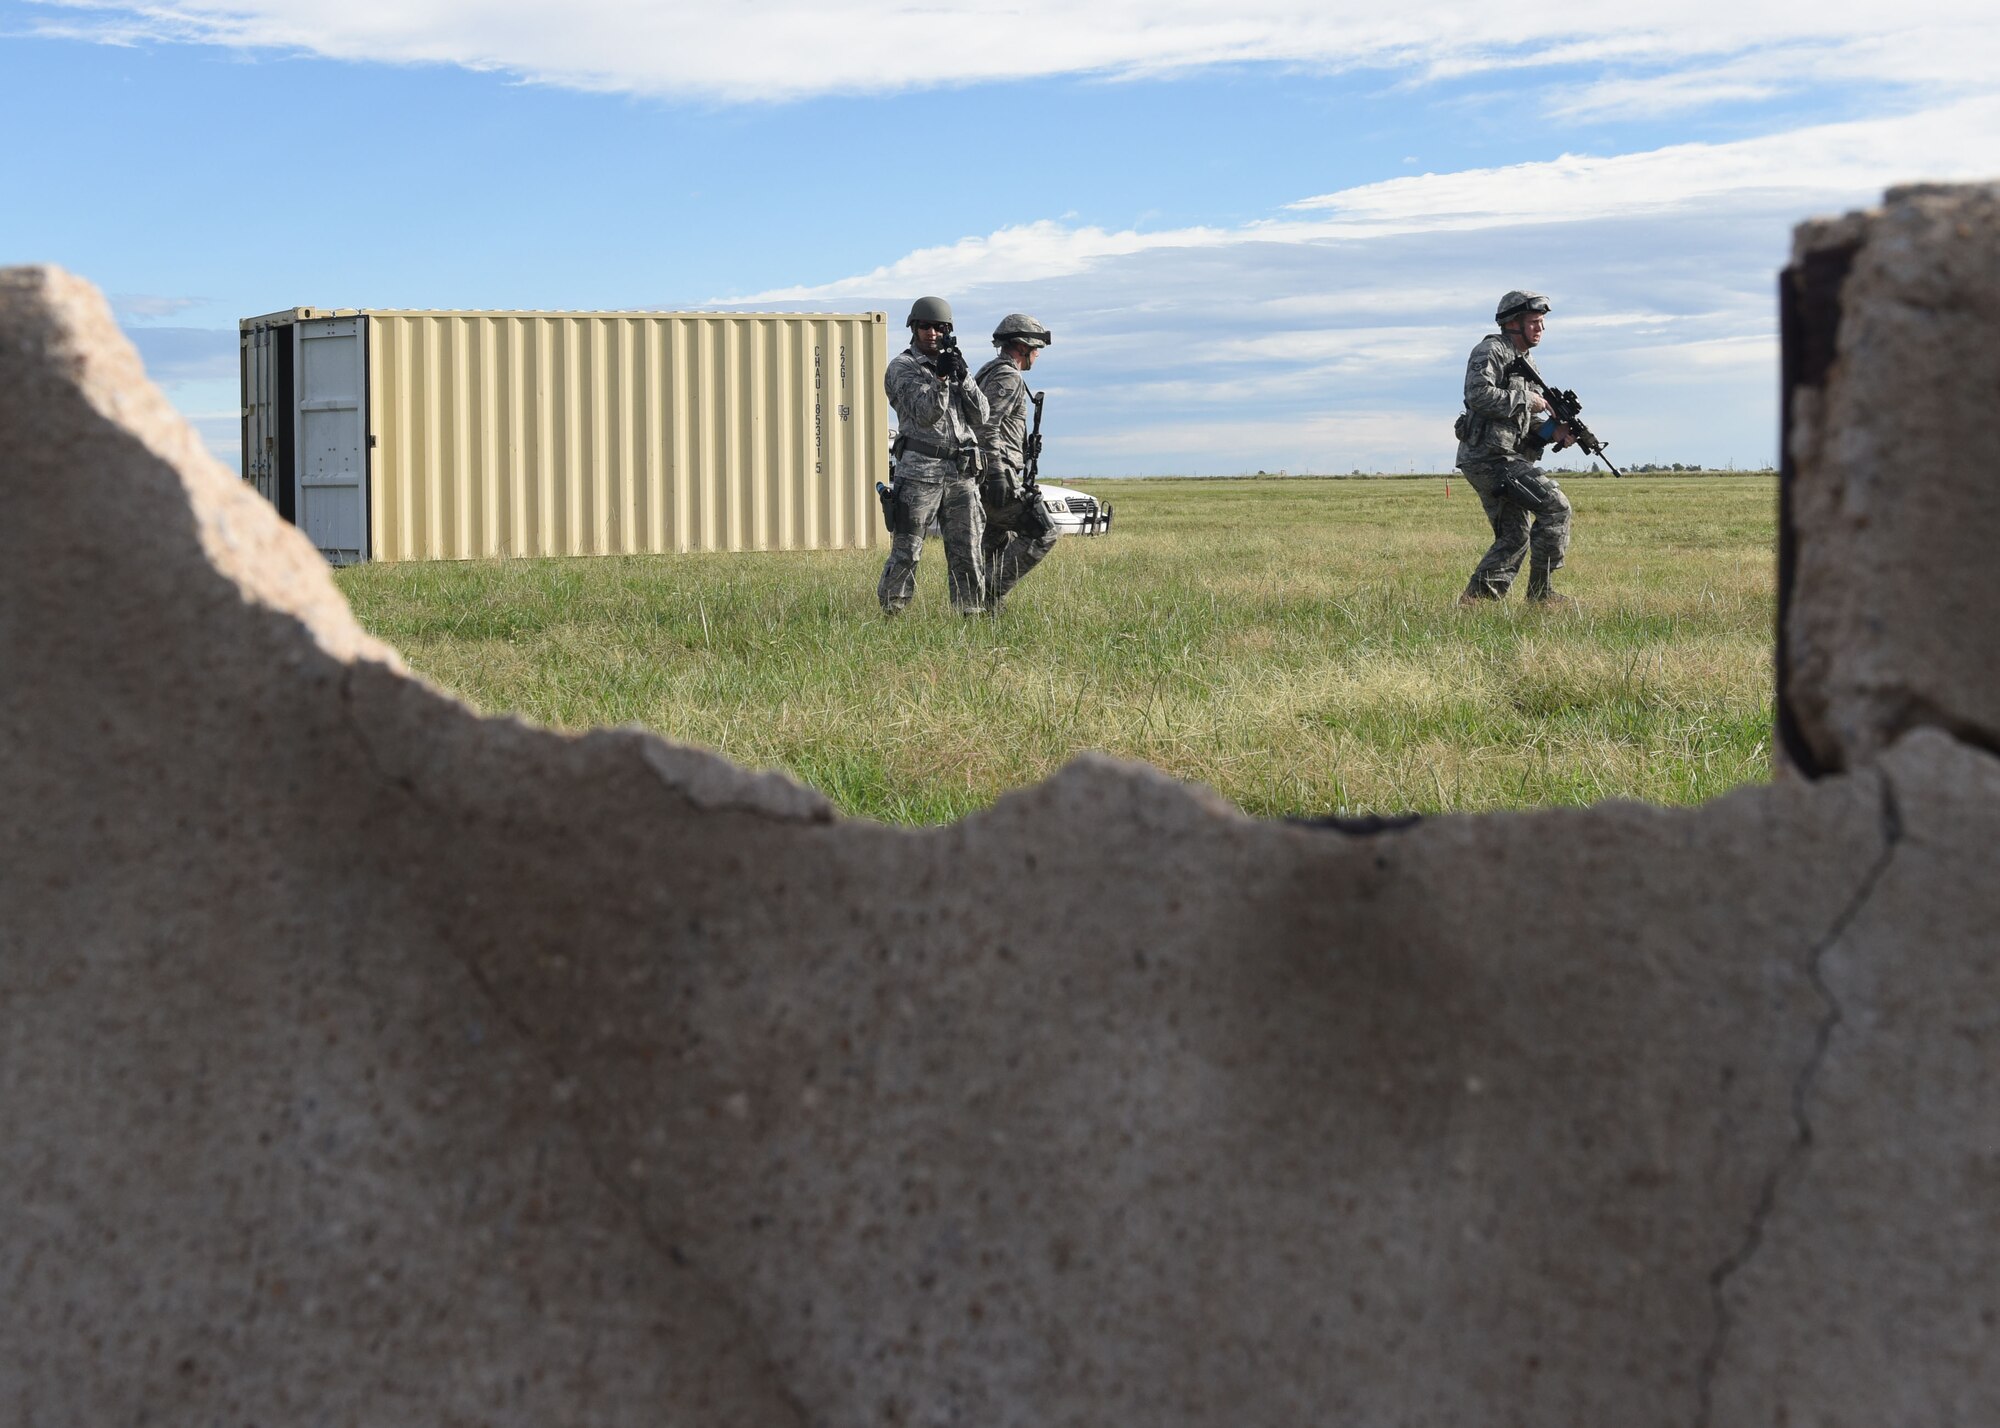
(260, 428)
(331, 375)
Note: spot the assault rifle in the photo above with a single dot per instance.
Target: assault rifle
(1564, 407)
(1037, 515)
(1032, 452)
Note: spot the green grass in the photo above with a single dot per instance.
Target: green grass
(1294, 644)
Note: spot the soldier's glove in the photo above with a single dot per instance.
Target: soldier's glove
(953, 365)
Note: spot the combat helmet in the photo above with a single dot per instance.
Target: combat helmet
(929, 309)
(1021, 328)
(1519, 301)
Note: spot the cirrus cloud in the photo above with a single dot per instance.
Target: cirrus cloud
(757, 50)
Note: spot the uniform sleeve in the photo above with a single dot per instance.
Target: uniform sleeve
(972, 405)
(915, 392)
(1487, 390)
(998, 385)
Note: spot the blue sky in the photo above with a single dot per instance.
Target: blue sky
(1265, 234)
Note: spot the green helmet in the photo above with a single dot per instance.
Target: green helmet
(1518, 301)
(1021, 328)
(929, 309)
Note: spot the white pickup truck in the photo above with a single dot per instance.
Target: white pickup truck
(1074, 512)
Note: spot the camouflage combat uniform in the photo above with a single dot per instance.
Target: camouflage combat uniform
(934, 477)
(1499, 436)
(1010, 551)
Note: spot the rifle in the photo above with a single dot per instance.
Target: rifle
(1564, 407)
(1032, 450)
(1037, 515)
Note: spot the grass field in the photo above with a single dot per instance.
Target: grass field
(1294, 644)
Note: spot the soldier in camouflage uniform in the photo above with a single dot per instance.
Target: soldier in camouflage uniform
(1017, 535)
(1501, 433)
(939, 411)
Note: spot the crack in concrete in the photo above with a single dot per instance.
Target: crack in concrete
(667, 1251)
(632, 1204)
(1891, 820)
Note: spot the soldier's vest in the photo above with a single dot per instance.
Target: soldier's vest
(1484, 436)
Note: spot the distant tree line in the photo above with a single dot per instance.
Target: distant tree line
(1654, 468)
(1697, 468)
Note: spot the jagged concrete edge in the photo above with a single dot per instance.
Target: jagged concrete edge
(1084, 778)
(1812, 290)
(271, 565)
(1809, 290)
(284, 584)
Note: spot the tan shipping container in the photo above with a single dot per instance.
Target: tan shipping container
(457, 435)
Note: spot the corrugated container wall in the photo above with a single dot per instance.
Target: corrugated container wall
(535, 433)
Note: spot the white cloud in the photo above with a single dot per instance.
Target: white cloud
(1224, 446)
(1955, 141)
(756, 50)
(1822, 165)
(1290, 342)
(1340, 349)
(1043, 249)
(1748, 351)
(1937, 59)
(143, 307)
(183, 354)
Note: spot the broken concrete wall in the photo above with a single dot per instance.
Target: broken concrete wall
(1892, 441)
(364, 1060)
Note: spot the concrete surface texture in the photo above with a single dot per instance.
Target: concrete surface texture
(1894, 440)
(365, 1061)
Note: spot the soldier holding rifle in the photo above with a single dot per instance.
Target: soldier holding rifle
(939, 412)
(1019, 529)
(1506, 425)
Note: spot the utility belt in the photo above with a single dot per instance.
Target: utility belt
(966, 458)
(1479, 431)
